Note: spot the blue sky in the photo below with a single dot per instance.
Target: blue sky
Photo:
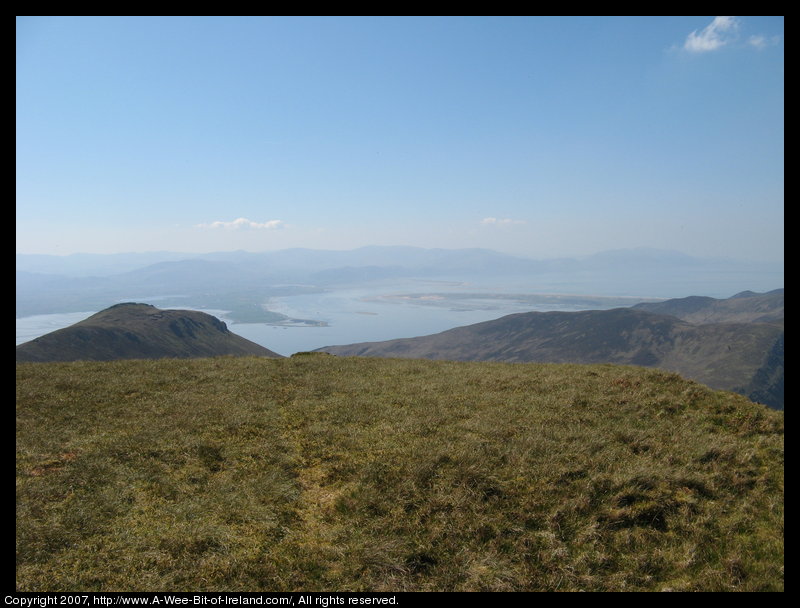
(534, 136)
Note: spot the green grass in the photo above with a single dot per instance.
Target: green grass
(329, 473)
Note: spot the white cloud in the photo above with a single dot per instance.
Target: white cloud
(718, 33)
(243, 223)
(761, 42)
(494, 221)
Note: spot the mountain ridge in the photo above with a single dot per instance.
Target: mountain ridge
(744, 307)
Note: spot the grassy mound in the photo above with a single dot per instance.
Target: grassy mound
(329, 473)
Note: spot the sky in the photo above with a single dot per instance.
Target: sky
(536, 136)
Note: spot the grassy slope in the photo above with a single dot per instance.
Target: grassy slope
(328, 473)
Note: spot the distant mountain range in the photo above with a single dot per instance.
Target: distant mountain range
(56, 284)
(414, 259)
(140, 331)
(733, 344)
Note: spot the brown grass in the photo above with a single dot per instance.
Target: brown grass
(329, 473)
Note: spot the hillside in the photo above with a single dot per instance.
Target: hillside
(744, 307)
(728, 346)
(329, 473)
(140, 331)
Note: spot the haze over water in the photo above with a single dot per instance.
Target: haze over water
(400, 309)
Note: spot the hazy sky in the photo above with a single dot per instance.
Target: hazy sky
(534, 136)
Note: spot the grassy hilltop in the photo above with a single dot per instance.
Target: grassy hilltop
(326, 473)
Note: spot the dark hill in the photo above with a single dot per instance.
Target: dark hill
(744, 307)
(140, 331)
(745, 357)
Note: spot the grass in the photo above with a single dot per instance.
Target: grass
(330, 473)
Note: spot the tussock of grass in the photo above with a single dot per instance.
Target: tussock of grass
(329, 473)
